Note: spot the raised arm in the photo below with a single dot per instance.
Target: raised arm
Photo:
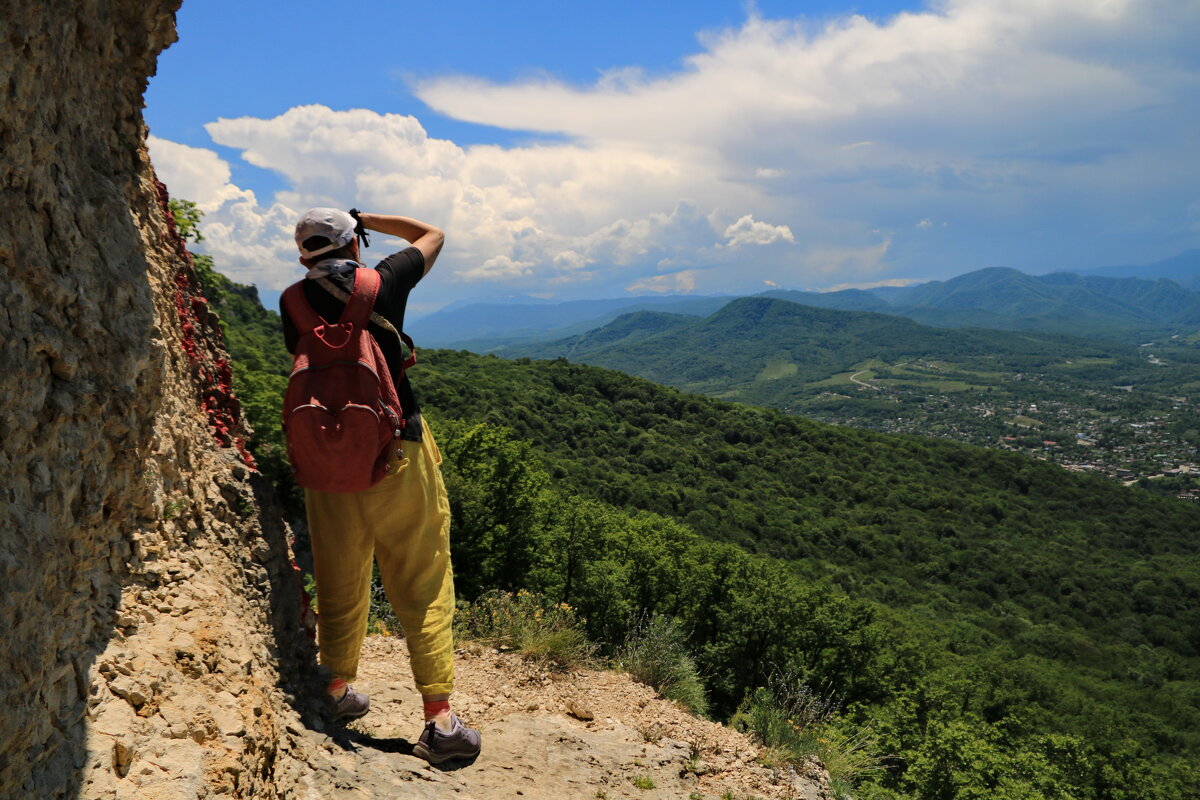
(421, 235)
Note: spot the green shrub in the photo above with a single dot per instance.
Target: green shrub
(655, 653)
(529, 624)
(794, 722)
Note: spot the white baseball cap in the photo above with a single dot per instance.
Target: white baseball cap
(333, 224)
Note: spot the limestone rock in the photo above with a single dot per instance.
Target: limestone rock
(580, 710)
(122, 757)
(115, 447)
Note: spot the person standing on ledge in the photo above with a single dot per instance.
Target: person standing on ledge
(403, 521)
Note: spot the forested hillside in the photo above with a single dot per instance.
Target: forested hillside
(757, 340)
(993, 626)
(1098, 406)
(981, 612)
(779, 353)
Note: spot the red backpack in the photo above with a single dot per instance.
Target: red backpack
(341, 414)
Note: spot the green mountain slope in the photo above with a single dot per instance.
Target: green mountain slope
(765, 350)
(990, 556)
(884, 507)
(1002, 627)
(1110, 407)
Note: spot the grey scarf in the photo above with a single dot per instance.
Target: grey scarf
(332, 266)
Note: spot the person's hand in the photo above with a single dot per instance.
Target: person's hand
(360, 229)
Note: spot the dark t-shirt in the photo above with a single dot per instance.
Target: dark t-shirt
(398, 274)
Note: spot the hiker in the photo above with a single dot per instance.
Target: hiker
(403, 519)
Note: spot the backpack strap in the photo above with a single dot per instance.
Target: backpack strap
(412, 350)
(299, 309)
(376, 317)
(361, 303)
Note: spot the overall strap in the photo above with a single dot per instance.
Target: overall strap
(299, 309)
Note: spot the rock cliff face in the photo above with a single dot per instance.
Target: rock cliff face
(138, 582)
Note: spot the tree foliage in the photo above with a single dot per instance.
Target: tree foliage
(1005, 629)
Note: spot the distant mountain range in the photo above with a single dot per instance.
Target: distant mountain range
(1184, 269)
(770, 350)
(485, 327)
(1108, 304)
(1063, 302)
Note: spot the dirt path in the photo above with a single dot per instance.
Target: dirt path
(181, 705)
(547, 734)
(854, 379)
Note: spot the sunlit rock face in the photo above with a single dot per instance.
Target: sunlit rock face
(145, 603)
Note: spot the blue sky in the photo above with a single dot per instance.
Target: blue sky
(237, 59)
(588, 150)
(250, 58)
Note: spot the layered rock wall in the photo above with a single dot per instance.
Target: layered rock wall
(145, 600)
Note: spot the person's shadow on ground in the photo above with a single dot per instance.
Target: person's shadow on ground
(351, 740)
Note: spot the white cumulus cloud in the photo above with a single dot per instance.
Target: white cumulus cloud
(555, 214)
(1001, 117)
(250, 243)
(196, 174)
(1023, 127)
(867, 260)
(681, 282)
(748, 230)
(497, 268)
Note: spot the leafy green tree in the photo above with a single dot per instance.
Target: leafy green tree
(497, 513)
(1006, 628)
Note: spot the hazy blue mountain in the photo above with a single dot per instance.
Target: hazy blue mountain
(845, 300)
(507, 301)
(486, 326)
(999, 297)
(1184, 269)
(1016, 294)
(1101, 305)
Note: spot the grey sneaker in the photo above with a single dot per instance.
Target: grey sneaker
(352, 705)
(436, 747)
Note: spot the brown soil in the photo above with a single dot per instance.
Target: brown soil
(550, 733)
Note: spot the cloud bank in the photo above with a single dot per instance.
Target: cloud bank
(978, 132)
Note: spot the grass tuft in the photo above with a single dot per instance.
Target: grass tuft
(529, 624)
(793, 722)
(655, 653)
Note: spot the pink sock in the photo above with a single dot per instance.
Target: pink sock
(433, 708)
